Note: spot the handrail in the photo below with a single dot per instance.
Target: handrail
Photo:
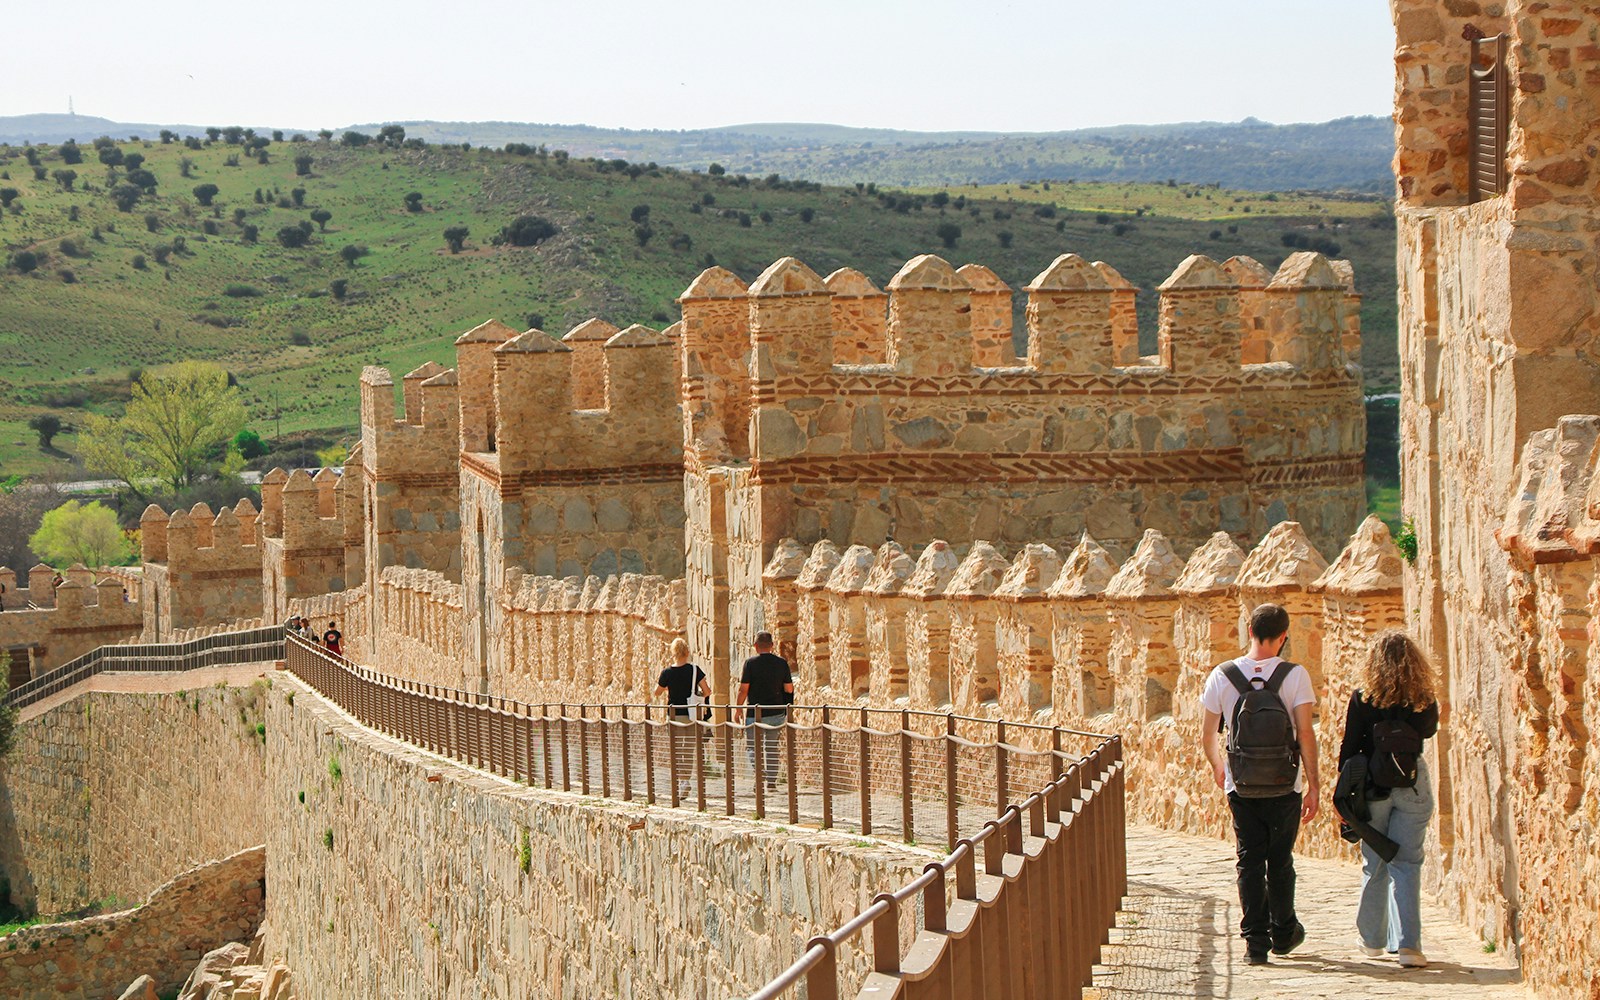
(257, 645)
(1025, 927)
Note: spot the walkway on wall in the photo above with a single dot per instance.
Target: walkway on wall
(1178, 936)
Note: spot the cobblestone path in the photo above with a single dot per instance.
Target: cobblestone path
(1178, 936)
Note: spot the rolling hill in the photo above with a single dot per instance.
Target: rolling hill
(112, 292)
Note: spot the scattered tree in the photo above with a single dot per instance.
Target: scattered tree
(250, 233)
(111, 156)
(393, 136)
(70, 153)
(642, 232)
(298, 196)
(65, 178)
(353, 138)
(338, 286)
(302, 165)
(47, 426)
(174, 429)
(144, 180)
(293, 237)
(455, 238)
(7, 196)
(213, 134)
(807, 214)
(203, 193)
(948, 233)
(249, 445)
(233, 135)
(81, 533)
(414, 201)
(640, 213)
(132, 161)
(321, 216)
(352, 253)
(716, 170)
(1005, 236)
(126, 196)
(527, 231)
(167, 135)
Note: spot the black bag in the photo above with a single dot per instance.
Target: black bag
(1396, 748)
(1263, 754)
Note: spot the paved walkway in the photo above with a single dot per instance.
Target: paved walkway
(152, 682)
(1178, 936)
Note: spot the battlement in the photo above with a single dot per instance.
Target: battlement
(199, 568)
(424, 440)
(197, 540)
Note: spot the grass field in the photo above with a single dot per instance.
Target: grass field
(265, 311)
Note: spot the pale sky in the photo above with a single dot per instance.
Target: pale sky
(927, 65)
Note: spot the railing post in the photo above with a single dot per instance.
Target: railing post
(727, 760)
(908, 822)
(790, 768)
(886, 936)
(699, 762)
(627, 773)
(544, 741)
(865, 777)
(822, 982)
(566, 768)
(672, 760)
(950, 805)
(649, 759)
(758, 762)
(583, 748)
(1002, 792)
(827, 771)
(605, 754)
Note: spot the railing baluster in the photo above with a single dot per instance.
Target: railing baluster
(864, 779)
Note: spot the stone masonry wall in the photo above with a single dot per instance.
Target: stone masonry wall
(1499, 338)
(615, 900)
(78, 619)
(163, 938)
(110, 795)
(200, 568)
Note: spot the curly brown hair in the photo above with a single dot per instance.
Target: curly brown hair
(1397, 673)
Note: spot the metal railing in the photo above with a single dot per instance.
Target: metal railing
(1488, 115)
(258, 645)
(1047, 804)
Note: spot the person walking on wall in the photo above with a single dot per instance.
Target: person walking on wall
(1269, 773)
(766, 686)
(687, 689)
(1390, 717)
(332, 637)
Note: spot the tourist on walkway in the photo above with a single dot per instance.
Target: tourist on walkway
(687, 689)
(766, 685)
(1269, 774)
(1390, 717)
(331, 638)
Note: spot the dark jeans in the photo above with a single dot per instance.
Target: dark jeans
(1265, 830)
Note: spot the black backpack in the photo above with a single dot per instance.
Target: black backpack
(1263, 754)
(1396, 747)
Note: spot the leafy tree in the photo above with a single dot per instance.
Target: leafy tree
(152, 222)
(39, 173)
(940, 199)
(132, 161)
(175, 427)
(111, 156)
(47, 426)
(807, 214)
(640, 213)
(455, 238)
(293, 237)
(126, 196)
(298, 196)
(81, 533)
(213, 133)
(716, 170)
(250, 233)
(321, 216)
(162, 253)
(352, 253)
(24, 261)
(414, 201)
(528, 230)
(277, 135)
(338, 286)
(167, 135)
(31, 155)
(7, 196)
(642, 232)
(393, 136)
(203, 193)
(233, 135)
(948, 233)
(249, 444)
(70, 153)
(353, 138)
(65, 178)
(325, 134)
(1005, 237)
(142, 179)
(302, 165)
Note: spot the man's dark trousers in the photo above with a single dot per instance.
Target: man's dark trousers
(1265, 830)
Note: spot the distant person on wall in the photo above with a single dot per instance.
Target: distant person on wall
(687, 689)
(766, 686)
(331, 638)
(2, 597)
(1390, 717)
(1269, 773)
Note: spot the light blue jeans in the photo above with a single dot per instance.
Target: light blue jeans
(1390, 915)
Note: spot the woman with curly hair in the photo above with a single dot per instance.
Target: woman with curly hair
(1396, 692)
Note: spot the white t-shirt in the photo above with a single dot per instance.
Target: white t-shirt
(1219, 696)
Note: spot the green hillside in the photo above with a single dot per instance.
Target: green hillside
(74, 328)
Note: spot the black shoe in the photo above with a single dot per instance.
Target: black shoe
(1296, 938)
(1253, 957)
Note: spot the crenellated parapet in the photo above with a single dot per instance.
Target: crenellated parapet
(199, 568)
(45, 624)
(303, 536)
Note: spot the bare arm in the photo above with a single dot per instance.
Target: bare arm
(705, 689)
(744, 695)
(1208, 743)
(1308, 760)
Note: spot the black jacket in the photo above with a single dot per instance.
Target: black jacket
(1350, 802)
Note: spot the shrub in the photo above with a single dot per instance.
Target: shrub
(138, 262)
(948, 233)
(250, 233)
(126, 196)
(298, 196)
(238, 290)
(455, 238)
(639, 213)
(351, 253)
(65, 178)
(24, 261)
(354, 138)
(7, 196)
(337, 287)
(321, 216)
(161, 253)
(302, 165)
(642, 233)
(209, 227)
(69, 248)
(293, 237)
(70, 153)
(67, 276)
(203, 193)
(1406, 540)
(152, 222)
(528, 231)
(413, 201)
(807, 214)
(1005, 236)
(300, 338)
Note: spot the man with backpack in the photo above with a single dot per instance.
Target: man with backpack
(1269, 772)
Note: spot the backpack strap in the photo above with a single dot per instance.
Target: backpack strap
(1280, 674)
(1236, 677)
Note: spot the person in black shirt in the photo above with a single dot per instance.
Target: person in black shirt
(681, 682)
(766, 685)
(331, 638)
(1396, 684)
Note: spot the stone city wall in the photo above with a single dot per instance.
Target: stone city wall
(163, 938)
(311, 534)
(111, 794)
(200, 568)
(1499, 321)
(412, 504)
(78, 616)
(611, 900)
(924, 442)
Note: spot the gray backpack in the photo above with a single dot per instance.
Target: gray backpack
(1263, 754)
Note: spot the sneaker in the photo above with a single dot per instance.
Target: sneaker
(1411, 958)
(1254, 957)
(1297, 937)
(1369, 952)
